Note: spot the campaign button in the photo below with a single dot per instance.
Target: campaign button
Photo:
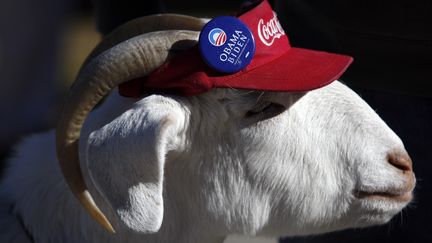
(226, 44)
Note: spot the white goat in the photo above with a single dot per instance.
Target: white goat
(196, 169)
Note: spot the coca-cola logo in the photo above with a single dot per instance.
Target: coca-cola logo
(270, 30)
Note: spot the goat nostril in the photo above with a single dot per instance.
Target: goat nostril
(400, 160)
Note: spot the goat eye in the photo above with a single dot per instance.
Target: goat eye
(265, 110)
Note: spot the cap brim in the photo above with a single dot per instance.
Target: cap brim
(297, 70)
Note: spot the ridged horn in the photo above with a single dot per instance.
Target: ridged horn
(146, 24)
(128, 60)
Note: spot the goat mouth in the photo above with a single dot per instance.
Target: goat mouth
(401, 197)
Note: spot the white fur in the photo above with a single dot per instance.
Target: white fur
(176, 169)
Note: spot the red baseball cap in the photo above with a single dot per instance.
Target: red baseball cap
(276, 66)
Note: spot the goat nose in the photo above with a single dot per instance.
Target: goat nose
(401, 160)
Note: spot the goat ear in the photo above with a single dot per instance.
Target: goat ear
(125, 159)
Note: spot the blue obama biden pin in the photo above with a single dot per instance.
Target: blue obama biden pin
(226, 44)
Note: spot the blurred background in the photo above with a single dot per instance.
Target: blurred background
(44, 42)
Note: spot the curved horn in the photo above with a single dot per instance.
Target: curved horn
(128, 60)
(142, 25)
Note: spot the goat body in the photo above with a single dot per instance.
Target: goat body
(196, 169)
